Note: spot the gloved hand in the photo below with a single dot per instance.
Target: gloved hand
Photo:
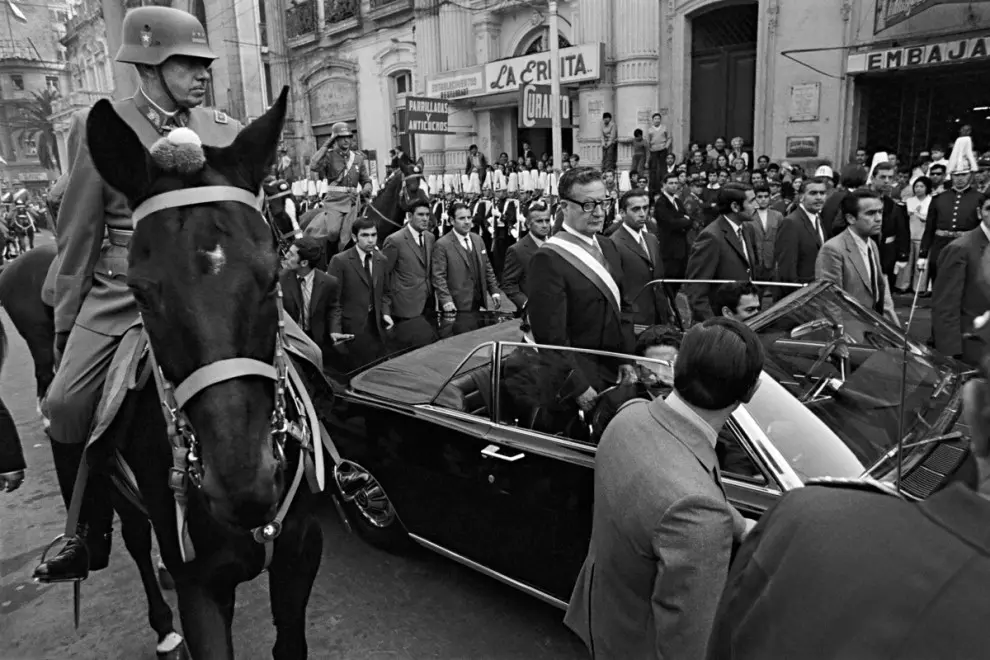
(61, 339)
(922, 263)
(899, 266)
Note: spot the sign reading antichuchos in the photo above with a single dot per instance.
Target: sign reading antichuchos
(425, 115)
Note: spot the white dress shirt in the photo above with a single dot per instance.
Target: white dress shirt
(742, 239)
(816, 223)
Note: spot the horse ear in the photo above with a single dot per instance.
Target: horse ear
(254, 147)
(117, 152)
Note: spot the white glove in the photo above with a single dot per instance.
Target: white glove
(899, 266)
(922, 263)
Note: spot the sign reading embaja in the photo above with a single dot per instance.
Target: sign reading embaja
(946, 52)
(535, 107)
(577, 64)
(425, 115)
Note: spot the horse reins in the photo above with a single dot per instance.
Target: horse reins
(187, 467)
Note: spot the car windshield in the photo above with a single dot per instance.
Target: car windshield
(828, 356)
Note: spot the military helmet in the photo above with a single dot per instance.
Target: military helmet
(340, 129)
(151, 35)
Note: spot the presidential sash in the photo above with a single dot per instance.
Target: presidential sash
(588, 266)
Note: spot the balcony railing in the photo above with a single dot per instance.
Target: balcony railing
(300, 19)
(338, 11)
(378, 4)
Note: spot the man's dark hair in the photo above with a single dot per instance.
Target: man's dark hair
(729, 295)
(575, 157)
(629, 194)
(309, 249)
(883, 167)
(638, 132)
(577, 176)
(657, 335)
(538, 205)
(850, 203)
(607, 115)
(419, 202)
(817, 180)
(729, 193)
(457, 206)
(719, 364)
(761, 187)
(773, 166)
(473, 146)
(937, 166)
(671, 175)
(853, 176)
(657, 114)
(362, 223)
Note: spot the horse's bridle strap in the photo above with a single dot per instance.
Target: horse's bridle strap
(219, 372)
(194, 196)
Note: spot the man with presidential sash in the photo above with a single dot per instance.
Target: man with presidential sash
(346, 172)
(574, 287)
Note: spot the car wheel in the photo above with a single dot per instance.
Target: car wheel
(368, 508)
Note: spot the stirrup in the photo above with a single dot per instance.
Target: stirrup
(44, 557)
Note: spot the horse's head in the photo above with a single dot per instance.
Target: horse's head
(204, 272)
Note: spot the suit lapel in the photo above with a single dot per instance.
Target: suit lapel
(294, 292)
(459, 247)
(356, 260)
(862, 268)
(626, 238)
(412, 243)
(733, 239)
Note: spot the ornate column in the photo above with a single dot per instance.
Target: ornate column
(490, 139)
(594, 25)
(636, 41)
(427, 31)
(457, 51)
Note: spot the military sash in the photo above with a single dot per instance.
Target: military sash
(580, 259)
(347, 168)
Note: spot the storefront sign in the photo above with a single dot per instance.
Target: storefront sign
(535, 107)
(891, 12)
(425, 115)
(907, 57)
(457, 84)
(804, 146)
(577, 64)
(805, 102)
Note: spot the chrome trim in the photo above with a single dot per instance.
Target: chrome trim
(492, 451)
(769, 454)
(481, 568)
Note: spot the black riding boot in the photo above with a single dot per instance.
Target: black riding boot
(89, 549)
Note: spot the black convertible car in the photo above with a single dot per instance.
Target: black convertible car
(446, 439)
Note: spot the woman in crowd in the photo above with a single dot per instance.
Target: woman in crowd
(917, 208)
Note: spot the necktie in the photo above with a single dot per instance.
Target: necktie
(818, 231)
(874, 278)
(742, 241)
(367, 265)
(422, 247)
(643, 246)
(307, 296)
(371, 282)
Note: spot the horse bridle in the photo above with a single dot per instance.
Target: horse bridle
(187, 466)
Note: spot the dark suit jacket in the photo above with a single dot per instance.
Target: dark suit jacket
(834, 572)
(796, 250)
(567, 309)
(958, 297)
(717, 254)
(895, 236)
(649, 305)
(673, 224)
(326, 290)
(350, 313)
(765, 242)
(516, 264)
(408, 285)
(454, 280)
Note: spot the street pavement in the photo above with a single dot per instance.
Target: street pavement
(366, 604)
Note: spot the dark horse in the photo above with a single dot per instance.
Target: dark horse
(203, 267)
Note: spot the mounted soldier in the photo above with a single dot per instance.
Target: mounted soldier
(346, 172)
(94, 307)
(22, 226)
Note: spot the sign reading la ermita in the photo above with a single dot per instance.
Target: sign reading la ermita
(425, 115)
(577, 64)
(905, 57)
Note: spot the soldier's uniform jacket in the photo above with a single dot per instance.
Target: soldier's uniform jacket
(951, 211)
(90, 274)
(344, 171)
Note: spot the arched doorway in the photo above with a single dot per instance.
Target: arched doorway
(723, 72)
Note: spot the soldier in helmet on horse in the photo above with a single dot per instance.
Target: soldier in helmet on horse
(94, 307)
(346, 172)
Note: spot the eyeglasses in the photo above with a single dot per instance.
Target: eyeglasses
(592, 204)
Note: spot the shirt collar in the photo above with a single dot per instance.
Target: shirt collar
(638, 235)
(158, 117)
(736, 226)
(672, 199)
(986, 232)
(362, 253)
(574, 232)
(415, 234)
(678, 405)
(862, 243)
(308, 277)
(811, 216)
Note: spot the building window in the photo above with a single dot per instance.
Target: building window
(51, 84)
(540, 43)
(269, 99)
(400, 85)
(18, 82)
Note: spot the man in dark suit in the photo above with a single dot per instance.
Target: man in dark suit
(518, 256)
(361, 272)
(724, 250)
(574, 287)
(766, 223)
(801, 235)
(641, 260)
(462, 275)
(853, 176)
(853, 571)
(673, 225)
(662, 529)
(308, 294)
(409, 251)
(959, 296)
(895, 234)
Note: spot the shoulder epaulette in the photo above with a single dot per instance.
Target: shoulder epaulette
(220, 117)
(864, 484)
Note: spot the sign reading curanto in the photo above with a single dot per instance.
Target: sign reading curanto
(577, 64)
(426, 115)
(906, 57)
(535, 107)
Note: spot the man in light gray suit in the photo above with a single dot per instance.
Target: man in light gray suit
(462, 275)
(663, 531)
(409, 251)
(851, 259)
(766, 222)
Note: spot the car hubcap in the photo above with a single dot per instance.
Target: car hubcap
(358, 486)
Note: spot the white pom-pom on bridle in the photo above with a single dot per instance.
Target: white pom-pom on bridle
(181, 152)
